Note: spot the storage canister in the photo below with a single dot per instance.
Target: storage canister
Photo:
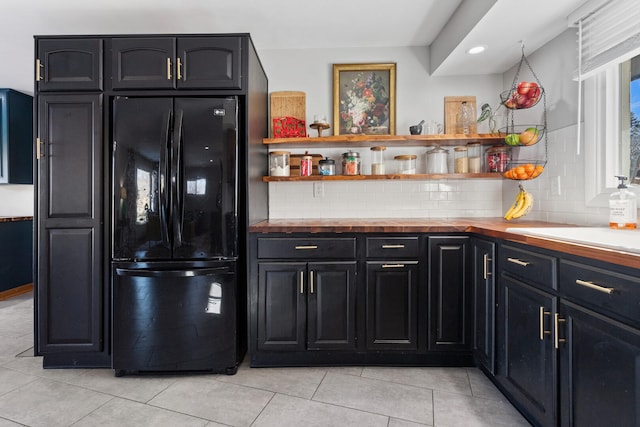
(460, 160)
(406, 164)
(351, 163)
(498, 158)
(377, 160)
(437, 160)
(474, 152)
(279, 163)
(306, 164)
(326, 166)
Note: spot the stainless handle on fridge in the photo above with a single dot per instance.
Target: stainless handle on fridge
(178, 202)
(164, 173)
(141, 272)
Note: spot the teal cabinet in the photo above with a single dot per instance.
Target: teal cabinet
(16, 247)
(16, 136)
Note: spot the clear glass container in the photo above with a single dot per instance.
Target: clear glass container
(437, 160)
(474, 151)
(460, 160)
(351, 163)
(498, 158)
(326, 166)
(464, 118)
(279, 163)
(406, 164)
(306, 165)
(377, 160)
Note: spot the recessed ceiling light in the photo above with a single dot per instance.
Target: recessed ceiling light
(476, 50)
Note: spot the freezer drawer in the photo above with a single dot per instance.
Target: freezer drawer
(174, 320)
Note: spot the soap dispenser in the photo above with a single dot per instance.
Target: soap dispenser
(623, 207)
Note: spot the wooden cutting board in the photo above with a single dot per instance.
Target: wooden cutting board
(452, 105)
(287, 104)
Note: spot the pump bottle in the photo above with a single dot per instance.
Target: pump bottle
(623, 207)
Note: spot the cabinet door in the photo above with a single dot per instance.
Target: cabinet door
(69, 64)
(209, 63)
(70, 287)
(483, 290)
(143, 63)
(527, 358)
(16, 137)
(331, 297)
(281, 306)
(600, 370)
(449, 295)
(392, 305)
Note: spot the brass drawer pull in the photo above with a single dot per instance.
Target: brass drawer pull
(392, 265)
(594, 286)
(519, 262)
(168, 68)
(311, 281)
(485, 272)
(302, 282)
(392, 246)
(179, 68)
(306, 247)
(542, 331)
(558, 319)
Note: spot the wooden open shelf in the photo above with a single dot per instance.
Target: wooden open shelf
(419, 176)
(388, 140)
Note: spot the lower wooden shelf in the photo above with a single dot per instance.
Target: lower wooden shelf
(420, 176)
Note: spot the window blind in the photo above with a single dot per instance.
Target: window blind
(609, 34)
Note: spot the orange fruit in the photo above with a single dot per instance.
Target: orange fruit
(520, 170)
(529, 169)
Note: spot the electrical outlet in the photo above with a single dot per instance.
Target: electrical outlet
(318, 189)
(556, 189)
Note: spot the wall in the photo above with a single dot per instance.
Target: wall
(418, 96)
(554, 64)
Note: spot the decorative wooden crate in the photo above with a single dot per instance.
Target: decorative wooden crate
(452, 105)
(287, 104)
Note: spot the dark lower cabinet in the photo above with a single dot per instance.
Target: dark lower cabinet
(483, 297)
(600, 369)
(527, 367)
(306, 306)
(72, 295)
(450, 308)
(392, 305)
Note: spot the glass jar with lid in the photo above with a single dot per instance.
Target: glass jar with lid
(326, 166)
(460, 160)
(377, 160)
(498, 158)
(437, 160)
(406, 164)
(474, 152)
(351, 163)
(279, 163)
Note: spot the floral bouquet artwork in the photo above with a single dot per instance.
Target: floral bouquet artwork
(364, 98)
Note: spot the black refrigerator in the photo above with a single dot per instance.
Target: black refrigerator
(175, 241)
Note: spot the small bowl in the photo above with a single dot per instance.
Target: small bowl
(512, 100)
(522, 135)
(415, 129)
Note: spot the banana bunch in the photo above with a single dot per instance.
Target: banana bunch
(522, 205)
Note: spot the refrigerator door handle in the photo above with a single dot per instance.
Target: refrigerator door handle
(164, 174)
(193, 272)
(178, 202)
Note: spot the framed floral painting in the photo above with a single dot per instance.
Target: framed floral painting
(364, 99)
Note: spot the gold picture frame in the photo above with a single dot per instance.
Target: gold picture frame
(364, 99)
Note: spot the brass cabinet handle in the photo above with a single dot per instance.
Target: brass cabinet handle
(168, 68)
(306, 247)
(392, 265)
(311, 281)
(38, 67)
(542, 331)
(179, 68)
(519, 262)
(558, 319)
(392, 246)
(485, 272)
(39, 153)
(302, 282)
(592, 285)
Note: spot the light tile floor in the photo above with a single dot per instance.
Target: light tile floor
(347, 396)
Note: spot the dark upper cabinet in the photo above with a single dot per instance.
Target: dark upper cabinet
(69, 64)
(16, 137)
(69, 232)
(170, 63)
(450, 299)
(483, 291)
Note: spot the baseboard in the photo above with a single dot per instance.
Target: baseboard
(14, 292)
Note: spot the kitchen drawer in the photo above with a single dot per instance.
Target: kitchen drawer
(609, 292)
(393, 247)
(301, 248)
(530, 266)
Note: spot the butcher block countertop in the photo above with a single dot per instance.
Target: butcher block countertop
(490, 227)
(15, 218)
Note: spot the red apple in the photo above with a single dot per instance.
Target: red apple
(523, 88)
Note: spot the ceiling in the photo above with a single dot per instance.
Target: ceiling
(450, 27)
